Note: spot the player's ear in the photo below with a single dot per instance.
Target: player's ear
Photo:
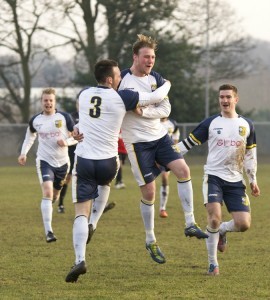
(109, 80)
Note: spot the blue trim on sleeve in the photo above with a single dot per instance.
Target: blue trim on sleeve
(125, 72)
(201, 132)
(130, 98)
(31, 127)
(160, 80)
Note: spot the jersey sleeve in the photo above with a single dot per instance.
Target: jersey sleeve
(157, 111)
(159, 79)
(30, 136)
(130, 99)
(250, 160)
(133, 99)
(155, 97)
(29, 139)
(197, 137)
(31, 126)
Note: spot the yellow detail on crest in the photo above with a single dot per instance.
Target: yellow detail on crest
(58, 123)
(242, 130)
(176, 148)
(153, 87)
(245, 200)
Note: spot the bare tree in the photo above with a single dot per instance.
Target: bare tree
(21, 41)
(126, 21)
(229, 46)
(77, 23)
(108, 28)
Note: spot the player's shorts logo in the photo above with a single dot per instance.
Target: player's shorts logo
(58, 123)
(245, 200)
(242, 130)
(176, 148)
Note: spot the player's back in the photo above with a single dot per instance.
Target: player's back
(101, 112)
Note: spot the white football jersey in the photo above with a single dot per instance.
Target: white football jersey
(49, 129)
(144, 128)
(101, 112)
(231, 144)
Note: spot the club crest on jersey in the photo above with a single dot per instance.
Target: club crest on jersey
(242, 130)
(58, 123)
(153, 87)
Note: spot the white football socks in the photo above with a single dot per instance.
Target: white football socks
(80, 235)
(185, 193)
(46, 211)
(148, 215)
(227, 226)
(211, 245)
(99, 204)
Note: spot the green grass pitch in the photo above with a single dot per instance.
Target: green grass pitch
(119, 267)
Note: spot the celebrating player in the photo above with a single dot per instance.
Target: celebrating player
(148, 144)
(231, 148)
(101, 111)
(53, 129)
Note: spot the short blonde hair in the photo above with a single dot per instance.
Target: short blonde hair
(144, 41)
(48, 91)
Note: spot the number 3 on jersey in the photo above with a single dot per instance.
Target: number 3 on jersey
(95, 111)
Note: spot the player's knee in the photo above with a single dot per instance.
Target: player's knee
(183, 174)
(48, 195)
(214, 221)
(242, 225)
(148, 192)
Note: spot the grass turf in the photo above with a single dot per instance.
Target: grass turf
(119, 267)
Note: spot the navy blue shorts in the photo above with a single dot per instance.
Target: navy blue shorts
(88, 174)
(149, 156)
(57, 175)
(233, 194)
